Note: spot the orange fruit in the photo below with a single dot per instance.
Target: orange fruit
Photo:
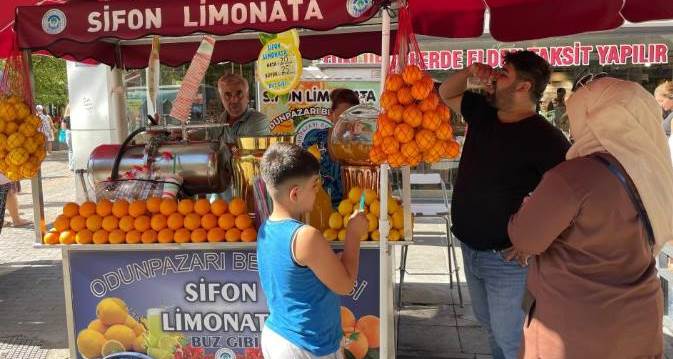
(219, 207)
(142, 223)
(432, 155)
(165, 235)
(182, 235)
(411, 74)
(153, 204)
(444, 132)
(422, 88)
(117, 236)
(412, 116)
(395, 113)
(356, 343)
(390, 145)
(388, 100)
(237, 206)
(126, 223)
(52, 238)
(168, 206)
(208, 221)
(226, 221)
(453, 150)
(133, 237)
(394, 82)
(87, 209)
(94, 223)
(77, 223)
(429, 103)
(243, 221)
(120, 208)
(386, 127)
(101, 237)
(62, 223)
(425, 139)
(404, 96)
(202, 206)
(404, 133)
(376, 155)
(175, 221)
(369, 326)
(249, 235)
(199, 235)
(397, 159)
(158, 222)
(192, 221)
(110, 223)
(70, 209)
(347, 318)
(410, 150)
(67, 237)
(185, 206)
(149, 236)
(216, 234)
(137, 208)
(232, 235)
(84, 236)
(104, 207)
(443, 112)
(431, 121)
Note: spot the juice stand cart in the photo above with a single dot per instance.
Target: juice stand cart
(450, 20)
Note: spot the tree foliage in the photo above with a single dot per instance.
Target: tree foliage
(51, 82)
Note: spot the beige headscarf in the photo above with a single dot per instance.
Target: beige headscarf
(622, 118)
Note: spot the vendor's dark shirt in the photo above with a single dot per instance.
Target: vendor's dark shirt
(501, 163)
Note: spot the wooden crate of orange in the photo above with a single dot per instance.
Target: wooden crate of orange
(155, 220)
(413, 125)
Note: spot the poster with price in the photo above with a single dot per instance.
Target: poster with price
(192, 304)
(279, 64)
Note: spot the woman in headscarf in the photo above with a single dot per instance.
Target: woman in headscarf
(593, 286)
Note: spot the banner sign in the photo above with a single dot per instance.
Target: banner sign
(558, 56)
(39, 26)
(307, 107)
(205, 304)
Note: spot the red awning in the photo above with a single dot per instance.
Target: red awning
(87, 29)
(517, 20)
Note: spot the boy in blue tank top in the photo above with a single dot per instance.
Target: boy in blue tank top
(301, 276)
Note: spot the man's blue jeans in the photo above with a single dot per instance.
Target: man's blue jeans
(497, 288)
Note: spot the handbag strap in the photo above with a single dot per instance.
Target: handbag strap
(633, 194)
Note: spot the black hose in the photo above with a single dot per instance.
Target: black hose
(122, 149)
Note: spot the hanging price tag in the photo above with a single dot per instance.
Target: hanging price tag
(279, 64)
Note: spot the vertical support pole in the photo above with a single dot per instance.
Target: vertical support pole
(40, 225)
(406, 203)
(386, 314)
(117, 109)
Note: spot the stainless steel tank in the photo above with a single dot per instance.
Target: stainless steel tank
(201, 164)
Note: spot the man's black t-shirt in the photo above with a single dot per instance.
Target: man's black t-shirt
(501, 163)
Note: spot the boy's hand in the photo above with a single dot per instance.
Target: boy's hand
(358, 225)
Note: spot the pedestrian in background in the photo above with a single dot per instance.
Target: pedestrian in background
(9, 200)
(47, 127)
(664, 96)
(65, 126)
(593, 227)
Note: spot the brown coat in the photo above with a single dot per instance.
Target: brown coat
(593, 276)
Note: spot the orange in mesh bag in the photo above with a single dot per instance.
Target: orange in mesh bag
(22, 145)
(411, 104)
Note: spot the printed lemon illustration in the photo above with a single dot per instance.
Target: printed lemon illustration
(112, 346)
(112, 311)
(113, 331)
(290, 37)
(90, 343)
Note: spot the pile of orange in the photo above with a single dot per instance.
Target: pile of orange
(414, 125)
(21, 144)
(155, 220)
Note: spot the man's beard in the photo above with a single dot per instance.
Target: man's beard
(502, 98)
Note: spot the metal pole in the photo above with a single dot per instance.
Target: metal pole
(40, 225)
(387, 344)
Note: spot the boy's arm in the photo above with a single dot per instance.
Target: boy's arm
(313, 250)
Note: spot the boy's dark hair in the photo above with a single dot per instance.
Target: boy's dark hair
(530, 67)
(284, 161)
(341, 95)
